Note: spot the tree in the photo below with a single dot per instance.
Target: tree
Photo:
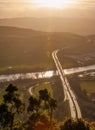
(33, 111)
(11, 106)
(40, 105)
(44, 96)
(52, 107)
(80, 124)
(70, 124)
(50, 103)
(4, 116)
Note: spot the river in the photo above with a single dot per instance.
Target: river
(21, 76)
(46, 74)
(79, 69)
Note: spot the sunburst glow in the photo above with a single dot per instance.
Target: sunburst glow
(54, 3)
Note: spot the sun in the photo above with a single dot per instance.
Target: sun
(54, 3)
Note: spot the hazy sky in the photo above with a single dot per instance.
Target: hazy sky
(44, 8)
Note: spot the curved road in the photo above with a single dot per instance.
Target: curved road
(68, 93)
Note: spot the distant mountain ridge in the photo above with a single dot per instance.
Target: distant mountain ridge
(78, 25)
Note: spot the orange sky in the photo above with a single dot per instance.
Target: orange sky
(34, 8)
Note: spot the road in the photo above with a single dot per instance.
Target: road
(68, 93)
(36, 85)
(30, 91)
(31, 88)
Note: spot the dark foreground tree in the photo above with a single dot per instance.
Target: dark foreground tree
(4, 116)
(70, 124)
(44, 103)
(33, 111)
(49, 103)
(52, 107)
(40, 111)
(12, 105)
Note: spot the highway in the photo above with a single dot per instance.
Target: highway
(68, 93)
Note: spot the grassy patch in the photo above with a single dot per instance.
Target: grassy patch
(68, 62)
(89, 86)
(26, 68)
(41, 87)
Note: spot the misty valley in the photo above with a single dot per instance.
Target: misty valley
(47, 64)
(28, 59)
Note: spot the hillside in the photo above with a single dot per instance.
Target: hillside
(54, 24)
(27, 50)
(27, 47)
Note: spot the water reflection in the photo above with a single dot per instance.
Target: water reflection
(46, 74)
(37, 75)
(79, 69)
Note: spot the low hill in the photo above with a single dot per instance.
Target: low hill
(27, 47)
(83, 26)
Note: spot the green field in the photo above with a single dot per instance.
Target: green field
(89, 86)
(26, 68)
(68, 62)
